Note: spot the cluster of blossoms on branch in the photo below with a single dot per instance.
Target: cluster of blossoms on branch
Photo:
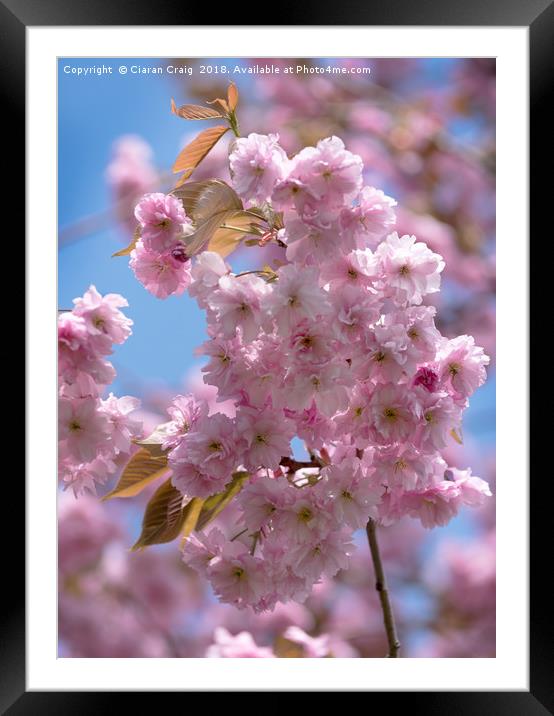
(94, 433)
(335, 347)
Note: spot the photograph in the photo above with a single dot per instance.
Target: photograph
(276, 357)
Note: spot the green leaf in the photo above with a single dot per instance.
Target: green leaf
(191, 156)
(193, 509)
(163, 518)
(216, 503)
(142, 469)
(218, 215)
(195, 111)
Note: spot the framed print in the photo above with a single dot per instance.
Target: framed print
(290, 357)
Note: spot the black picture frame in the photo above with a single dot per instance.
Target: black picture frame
(538, 16)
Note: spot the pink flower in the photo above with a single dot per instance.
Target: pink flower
(85, 477)
(205, 459)
(196, 481)
(241, 646)
(102, 317)
(122, 427)
(402, 467)
(309, 243)
(439, 416)
(322, 556)
(257, 164)
(267, 434)
(162, 218)
(474, 490)
(208, 268)
(163, 274)
(352, 494)
(369, 219)
(357, 268)
(322, 385)
(388, 358)
(393, 412)
(239, 580)
(295, 295)
(410, 269)
(184, 411)
(427, 378)
(303, 521)
(83, 429)
(237, 303)
(424, 339)
(462, 365)
(355, 310)
(330, 172)
(262, 498)
(200, 549)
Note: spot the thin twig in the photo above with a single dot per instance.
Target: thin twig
(381, 587)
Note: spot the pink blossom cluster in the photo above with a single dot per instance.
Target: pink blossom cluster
(93, 431)
(159, 260)
(337, 348)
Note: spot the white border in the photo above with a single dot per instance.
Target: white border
(509, 670)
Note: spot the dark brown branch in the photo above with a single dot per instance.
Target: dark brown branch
(382, 590)
(294, 465)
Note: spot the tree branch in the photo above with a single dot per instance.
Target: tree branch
(382, 590)
(294, 465)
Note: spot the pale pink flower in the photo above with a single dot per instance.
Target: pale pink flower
(206, 457)
(122, 427)
(102, 316)
(267, 434)
(163, 274)
(402, 467)
(206, 271)
(200, 549)
(354, 311)
(388, 354)
(240, 580)
(257, 164)
(295, 295)
(393, 412)
(462, 365)
(325, 556)
(323, 386)
(184, 412)
(410, 269)
(85, 477)
(427, 378)
(439, 416)
(84, 430)
(196, 481)
(162, 218)
(352, 494)
(369, 219)
(331, 172)
(357, 268)
(262, 498)
(241, 646)
(237, 303)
